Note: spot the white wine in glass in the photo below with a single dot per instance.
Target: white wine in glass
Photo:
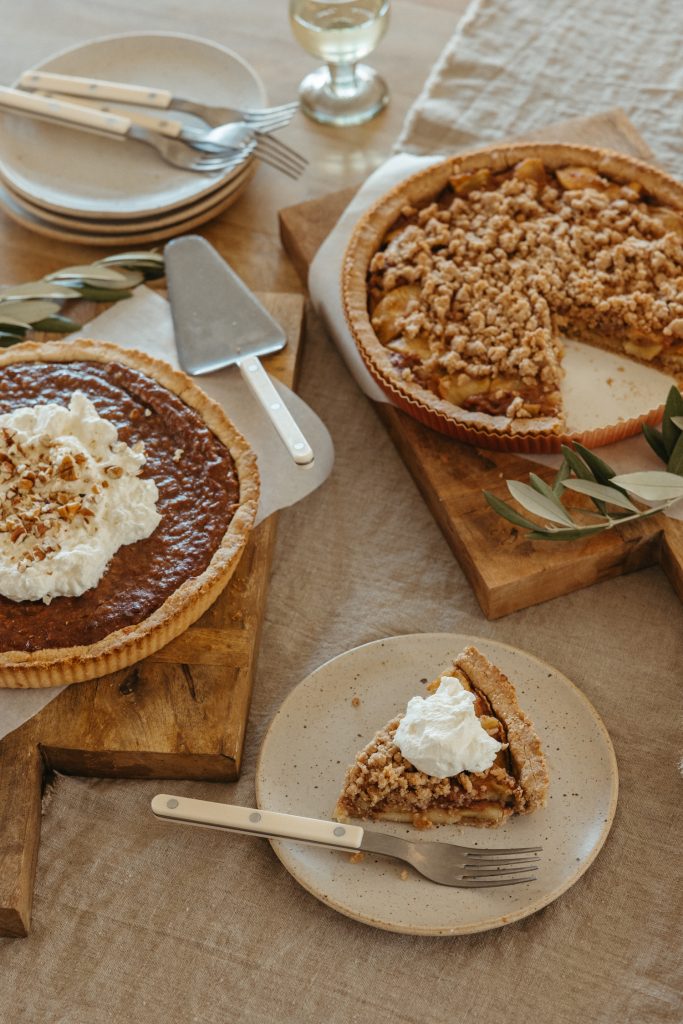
(342, 33)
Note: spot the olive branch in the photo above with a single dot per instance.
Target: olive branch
(36, 306)
(613, 495)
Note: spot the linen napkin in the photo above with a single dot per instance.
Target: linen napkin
(144, 322)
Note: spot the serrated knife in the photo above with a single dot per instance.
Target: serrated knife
(219, 322)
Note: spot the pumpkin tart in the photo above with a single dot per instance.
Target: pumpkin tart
(151, 590)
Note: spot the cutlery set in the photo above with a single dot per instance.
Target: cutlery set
(233, 135)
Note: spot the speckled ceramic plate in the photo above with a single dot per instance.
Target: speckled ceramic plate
(318, 732)
(80, 174)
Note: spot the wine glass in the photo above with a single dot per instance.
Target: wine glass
(342, 33)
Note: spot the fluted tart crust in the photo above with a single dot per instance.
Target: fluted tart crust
(458, 284)
(152, 590)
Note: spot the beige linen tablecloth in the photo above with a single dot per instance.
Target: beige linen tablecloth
(138, 921)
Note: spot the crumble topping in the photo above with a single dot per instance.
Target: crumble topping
(469, 291)
(381, 771)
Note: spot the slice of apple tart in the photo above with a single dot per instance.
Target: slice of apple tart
(467, 754)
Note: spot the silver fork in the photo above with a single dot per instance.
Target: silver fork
(227, 139)
(147, 96)
(174, 151)
(240, 137)
(464, 867)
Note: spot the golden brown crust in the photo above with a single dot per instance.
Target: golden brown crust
(529, 763)
(422, 187)
(64, 665)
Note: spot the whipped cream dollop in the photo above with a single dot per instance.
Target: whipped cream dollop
(441, 734)
(70, 497)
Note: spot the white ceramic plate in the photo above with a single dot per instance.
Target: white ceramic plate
(82, 174)
(318, 731)
(136, 236)
(163, 225)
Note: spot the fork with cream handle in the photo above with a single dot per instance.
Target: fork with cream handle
(445, 863)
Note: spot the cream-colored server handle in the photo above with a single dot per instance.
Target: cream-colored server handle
(280, 416)
(96, 89)
(250, 821)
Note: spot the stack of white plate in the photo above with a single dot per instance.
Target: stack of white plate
(79, 187)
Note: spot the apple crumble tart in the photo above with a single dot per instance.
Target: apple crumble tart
(507, 773)
(459, 283)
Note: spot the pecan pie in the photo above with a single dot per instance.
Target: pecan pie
(383, 784)
(198, 466)
(459, 283)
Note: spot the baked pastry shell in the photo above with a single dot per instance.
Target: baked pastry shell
(59, 666)
(539, 435)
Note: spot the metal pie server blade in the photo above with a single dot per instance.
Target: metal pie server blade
(219, 322)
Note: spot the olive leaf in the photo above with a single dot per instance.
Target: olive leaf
(678, 420)
(600, 470)
(672, 410)
(90, 272)
(537, 503)
(675, 463)
(36, 305)
(29, 310)
(652, 485)
(134, 260)
(7, 323)
(543, 488)
(57, 325)
(508, 512)
(578, 533)
(610, 495)
(656, 441)
(37, 290)
(561, 475)
(576, 463)
(93, 294)
(7, 339)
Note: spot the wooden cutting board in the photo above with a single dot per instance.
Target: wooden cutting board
(180, 714)
(506, 571)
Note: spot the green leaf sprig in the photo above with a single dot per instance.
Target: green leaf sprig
(36, 306)
(613, 495)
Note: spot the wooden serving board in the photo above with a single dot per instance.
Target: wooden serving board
(506, 571)
(180, 714)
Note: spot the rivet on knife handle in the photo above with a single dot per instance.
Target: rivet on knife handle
(96, 89)
(269, 824)
(281, 418)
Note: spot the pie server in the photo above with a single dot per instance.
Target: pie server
(218, 322)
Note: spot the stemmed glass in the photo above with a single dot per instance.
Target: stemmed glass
(343, 32)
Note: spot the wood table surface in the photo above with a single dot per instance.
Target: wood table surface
(259, 31)
(136, 920)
